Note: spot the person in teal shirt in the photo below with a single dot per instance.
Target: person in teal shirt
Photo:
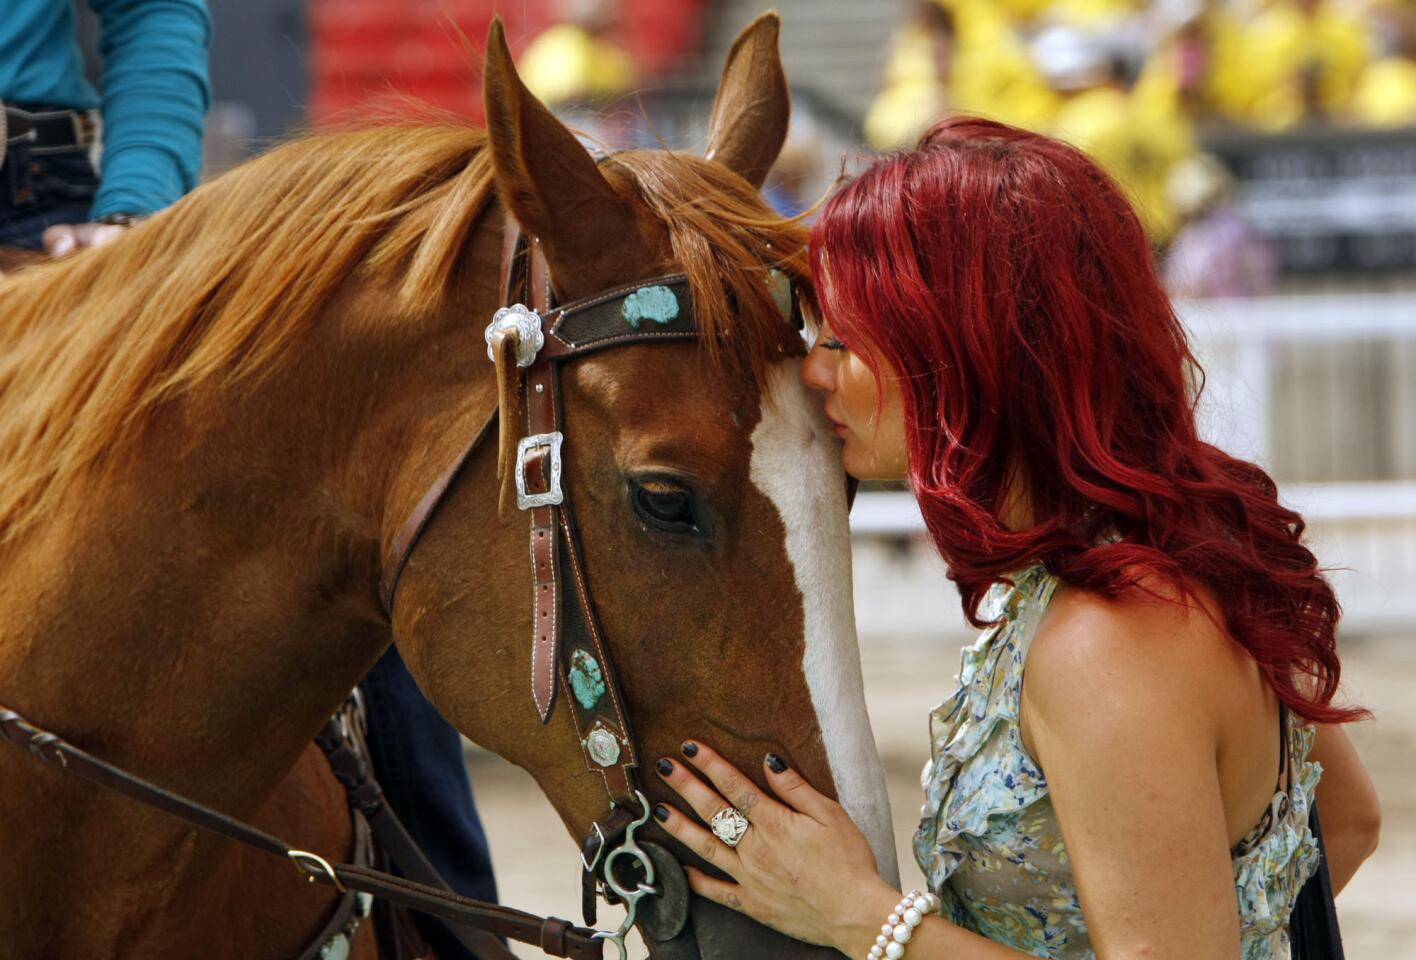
(150, 113)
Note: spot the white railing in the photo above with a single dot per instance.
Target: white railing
(1364, 531)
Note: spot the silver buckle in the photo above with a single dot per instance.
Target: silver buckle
(553, 496)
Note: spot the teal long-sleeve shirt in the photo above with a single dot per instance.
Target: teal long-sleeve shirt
(155, 88)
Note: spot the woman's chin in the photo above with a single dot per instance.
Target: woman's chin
(866, 466)
(857, 466)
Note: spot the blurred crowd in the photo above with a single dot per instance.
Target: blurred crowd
(1261, 64)
(1139, 84)
(1136, 82)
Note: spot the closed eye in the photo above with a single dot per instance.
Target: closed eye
(830, 343)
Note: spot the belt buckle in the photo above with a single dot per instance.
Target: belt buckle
(552, 496)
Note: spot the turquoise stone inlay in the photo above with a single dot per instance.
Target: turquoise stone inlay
(586, 679)
(650, 303)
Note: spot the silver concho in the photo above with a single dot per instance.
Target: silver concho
(603, 746)
(527, 325)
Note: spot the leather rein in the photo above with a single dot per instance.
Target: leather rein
(569, 649)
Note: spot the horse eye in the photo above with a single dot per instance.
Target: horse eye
(665, 506)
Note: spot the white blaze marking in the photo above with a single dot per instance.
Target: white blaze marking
(796, 463)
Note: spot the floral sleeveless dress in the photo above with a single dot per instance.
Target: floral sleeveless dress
(989, 843)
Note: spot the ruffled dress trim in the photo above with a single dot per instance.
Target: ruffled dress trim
(1268, 877)
(965, 796)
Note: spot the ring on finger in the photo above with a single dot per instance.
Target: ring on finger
(729, 825)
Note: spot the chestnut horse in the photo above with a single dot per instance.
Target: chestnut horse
(211, 431)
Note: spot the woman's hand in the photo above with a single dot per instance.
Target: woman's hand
(63, 239)
(803, 867)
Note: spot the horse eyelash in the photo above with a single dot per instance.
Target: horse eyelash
(831, 343)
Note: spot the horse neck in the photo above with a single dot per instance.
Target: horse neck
(197, 610)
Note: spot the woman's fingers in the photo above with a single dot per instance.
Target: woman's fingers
(793, 790)
(692, 835)
(63, 239)
(711, 888)
(701, 798)
(740, 791)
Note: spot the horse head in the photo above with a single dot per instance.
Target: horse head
(214, 431)
(708, 494)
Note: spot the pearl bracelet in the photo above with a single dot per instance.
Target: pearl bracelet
(900, 925)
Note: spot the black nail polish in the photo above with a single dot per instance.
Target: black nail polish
(661, 812)
(689, 748)
(666, 767)
(776, 764)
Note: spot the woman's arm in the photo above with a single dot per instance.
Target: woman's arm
(1347, 802)
(1120, 707)
(155, 97)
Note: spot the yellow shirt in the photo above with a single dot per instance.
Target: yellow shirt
(567, 63)
(1226, 86)
(1386, 95)
(1282, 45)
(1138, 150)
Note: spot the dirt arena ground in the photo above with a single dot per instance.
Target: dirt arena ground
(536, 863)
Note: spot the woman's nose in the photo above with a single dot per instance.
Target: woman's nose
(818, 370)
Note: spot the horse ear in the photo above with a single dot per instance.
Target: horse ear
(549, 181)
(753, 106)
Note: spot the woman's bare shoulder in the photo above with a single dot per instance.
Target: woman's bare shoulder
(1155, 645)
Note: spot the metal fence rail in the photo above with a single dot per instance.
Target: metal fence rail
(1341, 441)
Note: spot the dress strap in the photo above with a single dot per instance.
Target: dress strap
(1279, 805)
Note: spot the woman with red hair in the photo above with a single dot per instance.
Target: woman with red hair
(994, 331)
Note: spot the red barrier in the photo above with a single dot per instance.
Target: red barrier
(375, 56)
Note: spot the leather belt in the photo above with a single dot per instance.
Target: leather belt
(49, 131)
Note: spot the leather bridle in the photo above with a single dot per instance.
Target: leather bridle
(570, 659)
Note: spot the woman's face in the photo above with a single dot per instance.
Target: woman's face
(869, 416)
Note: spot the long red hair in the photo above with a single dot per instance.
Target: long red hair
(1007, 281)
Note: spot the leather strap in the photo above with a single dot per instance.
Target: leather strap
(565, 626)
(608, 714)
(344, 746)
(576, 942)
(402, 547)
(540, 405)
(347, 908)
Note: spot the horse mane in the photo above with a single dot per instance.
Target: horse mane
(227, 282)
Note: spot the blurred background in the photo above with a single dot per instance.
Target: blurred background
(1270, 146)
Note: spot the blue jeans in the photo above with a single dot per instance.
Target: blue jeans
(418, 761)
(38, 192)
